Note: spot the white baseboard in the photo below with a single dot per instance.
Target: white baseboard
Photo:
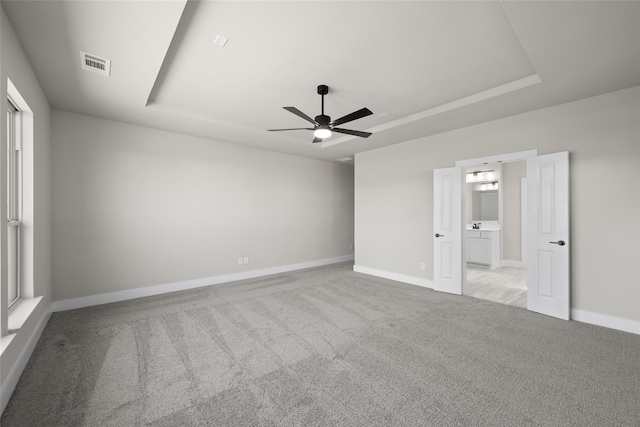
(16, 371)
(612, 322)
(91, 300)
(514, 264)
(412, 280)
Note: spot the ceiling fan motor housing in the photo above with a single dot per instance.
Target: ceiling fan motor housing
(323, 120)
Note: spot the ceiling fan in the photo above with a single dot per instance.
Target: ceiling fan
(322, 124)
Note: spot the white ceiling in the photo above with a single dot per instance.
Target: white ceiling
(422, 67)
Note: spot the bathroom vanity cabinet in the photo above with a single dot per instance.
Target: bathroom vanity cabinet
(483, 248)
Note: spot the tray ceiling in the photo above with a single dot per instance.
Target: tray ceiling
(421, 67)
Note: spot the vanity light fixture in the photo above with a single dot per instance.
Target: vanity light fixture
(489, 186)
(480, 176)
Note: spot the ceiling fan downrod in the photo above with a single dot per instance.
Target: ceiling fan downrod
(322, 91)
(323, 128)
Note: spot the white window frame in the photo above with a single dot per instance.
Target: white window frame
(13, 316)
(14, 205)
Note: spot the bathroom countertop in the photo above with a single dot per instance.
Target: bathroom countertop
(483, 229)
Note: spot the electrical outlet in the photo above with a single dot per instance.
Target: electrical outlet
(239, 261)
(423, 266)
(351, 246)
(246, 260)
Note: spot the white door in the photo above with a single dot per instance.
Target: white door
(448, 226)
(548, 237)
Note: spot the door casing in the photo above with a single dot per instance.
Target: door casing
(500, 158)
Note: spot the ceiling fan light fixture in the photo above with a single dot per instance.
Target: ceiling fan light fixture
(322, 132)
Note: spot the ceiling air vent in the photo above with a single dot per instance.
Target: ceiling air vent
(95, 64)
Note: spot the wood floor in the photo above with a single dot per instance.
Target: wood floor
(506, 285)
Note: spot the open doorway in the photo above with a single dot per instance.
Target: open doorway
(495, 266)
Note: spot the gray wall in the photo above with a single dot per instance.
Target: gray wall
(476, 204)
(135, 207)
(394, 194)
(511, 210)
(15, 66)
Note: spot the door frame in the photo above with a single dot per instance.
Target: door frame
(500, 158)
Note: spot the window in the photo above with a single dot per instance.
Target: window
(20, 295)
(14, 204)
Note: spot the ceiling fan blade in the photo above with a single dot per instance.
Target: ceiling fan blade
(317, 140)
(353, 116)
(276, 130)
(353, 132)
(299, 113)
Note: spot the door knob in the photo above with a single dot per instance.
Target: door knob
(559, 243)
(442, 235)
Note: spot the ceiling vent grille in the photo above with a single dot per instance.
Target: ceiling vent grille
(95, 64)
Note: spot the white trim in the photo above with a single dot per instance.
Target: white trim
(11, 381)
(530, 80)
(523, 220)
(21, 312)
(612, 322)
(16, 98)
(504, 158)
(412, 280)
(91, 300)
(514, 264)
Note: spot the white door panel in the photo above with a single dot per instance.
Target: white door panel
(448, 226)
(548, 235)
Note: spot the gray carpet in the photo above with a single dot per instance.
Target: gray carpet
(324, 347)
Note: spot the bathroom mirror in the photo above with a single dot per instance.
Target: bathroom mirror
(482, 205)
(483, 200)
(489, 205)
